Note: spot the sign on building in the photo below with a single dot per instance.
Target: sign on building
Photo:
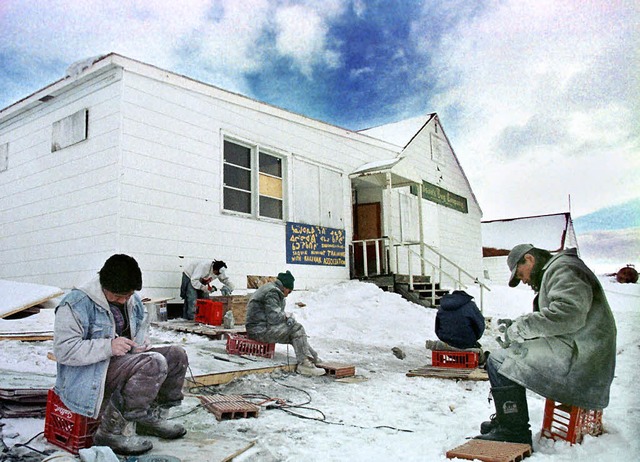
(315, 245)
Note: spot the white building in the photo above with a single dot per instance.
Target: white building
(123, 157)
(553, 232)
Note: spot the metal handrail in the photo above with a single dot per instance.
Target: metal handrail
(388, 241)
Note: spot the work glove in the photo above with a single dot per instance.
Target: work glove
(211, 288)
(512, 338)
(226, 291)
(290, 319)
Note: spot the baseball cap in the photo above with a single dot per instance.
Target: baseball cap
(514, 257)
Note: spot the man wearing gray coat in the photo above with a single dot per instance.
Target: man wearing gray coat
(564, 350)
(268, 322)
(106, 368)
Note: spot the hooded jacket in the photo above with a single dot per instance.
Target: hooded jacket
(459, 321)
(569, 349)
(266, 308)
(83, 330)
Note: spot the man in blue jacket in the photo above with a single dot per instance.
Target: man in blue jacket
(106, 369)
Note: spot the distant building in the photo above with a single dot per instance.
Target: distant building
(120, 156)
(552, 232)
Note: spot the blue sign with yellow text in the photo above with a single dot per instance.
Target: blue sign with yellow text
(315, 245)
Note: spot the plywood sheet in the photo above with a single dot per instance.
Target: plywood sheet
(17, 296)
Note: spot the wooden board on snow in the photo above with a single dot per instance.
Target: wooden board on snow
(36, 327)
(198, 446)
(192, 327)
(220, 378)
(18, 296)
(449, 373)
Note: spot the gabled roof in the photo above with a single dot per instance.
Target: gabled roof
(400, 133)
(83, 69)
(553, 232)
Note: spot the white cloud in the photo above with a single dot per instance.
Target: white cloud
(301, 34)
(541, 109)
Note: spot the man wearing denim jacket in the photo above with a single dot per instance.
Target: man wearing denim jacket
(106, 369)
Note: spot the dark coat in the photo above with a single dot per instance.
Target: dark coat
(459, 321)
(569, 348)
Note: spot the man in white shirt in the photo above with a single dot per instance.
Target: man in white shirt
(197, 278)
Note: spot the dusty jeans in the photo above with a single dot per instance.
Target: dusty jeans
(293, 334)
(140, 379)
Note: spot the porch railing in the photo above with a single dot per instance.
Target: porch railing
(440, 268)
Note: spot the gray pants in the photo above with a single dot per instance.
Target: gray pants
(496, 379)
(293, 334)
(142, 379)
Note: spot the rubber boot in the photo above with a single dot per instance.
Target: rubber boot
(306, 367)
(512, 416)
(119, 434)
(488, 425)
(155, 423)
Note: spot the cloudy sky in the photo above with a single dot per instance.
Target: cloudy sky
(539, 98)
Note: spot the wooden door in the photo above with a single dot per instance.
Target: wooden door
(367, 225)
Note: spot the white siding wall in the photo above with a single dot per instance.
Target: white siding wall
(58, 210)
(496, 270)
(457, 235)
(171, 184)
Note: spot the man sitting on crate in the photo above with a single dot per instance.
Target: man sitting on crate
(564, 350)
(267, 321)
(105, 366)
(459, 324)
(197, 278)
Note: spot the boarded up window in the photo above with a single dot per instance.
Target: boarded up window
(4, 157)
(70, 130)
(438, 146)
(270, 186)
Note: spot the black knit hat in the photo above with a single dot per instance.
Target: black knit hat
(287, 279)
(120, 274)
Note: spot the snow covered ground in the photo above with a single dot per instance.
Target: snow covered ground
(387, 416)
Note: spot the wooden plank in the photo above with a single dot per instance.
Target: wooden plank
(490, 451)
(192, 327)
(27, 337)
(220, 378)
(449, 373)
(37, 300)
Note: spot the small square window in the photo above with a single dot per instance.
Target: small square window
(4, 157)
(70, 130)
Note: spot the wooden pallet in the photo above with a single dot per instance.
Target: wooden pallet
(490, 451)
(449, 373)
(192, 327)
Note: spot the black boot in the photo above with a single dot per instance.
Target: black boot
(119, 434)
(488, 425)
(154, 423)
(511, 423)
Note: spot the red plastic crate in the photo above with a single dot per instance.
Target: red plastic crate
(209, 312)
(455, 359)
(570, 423)
(66, 429)
(242, 345)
